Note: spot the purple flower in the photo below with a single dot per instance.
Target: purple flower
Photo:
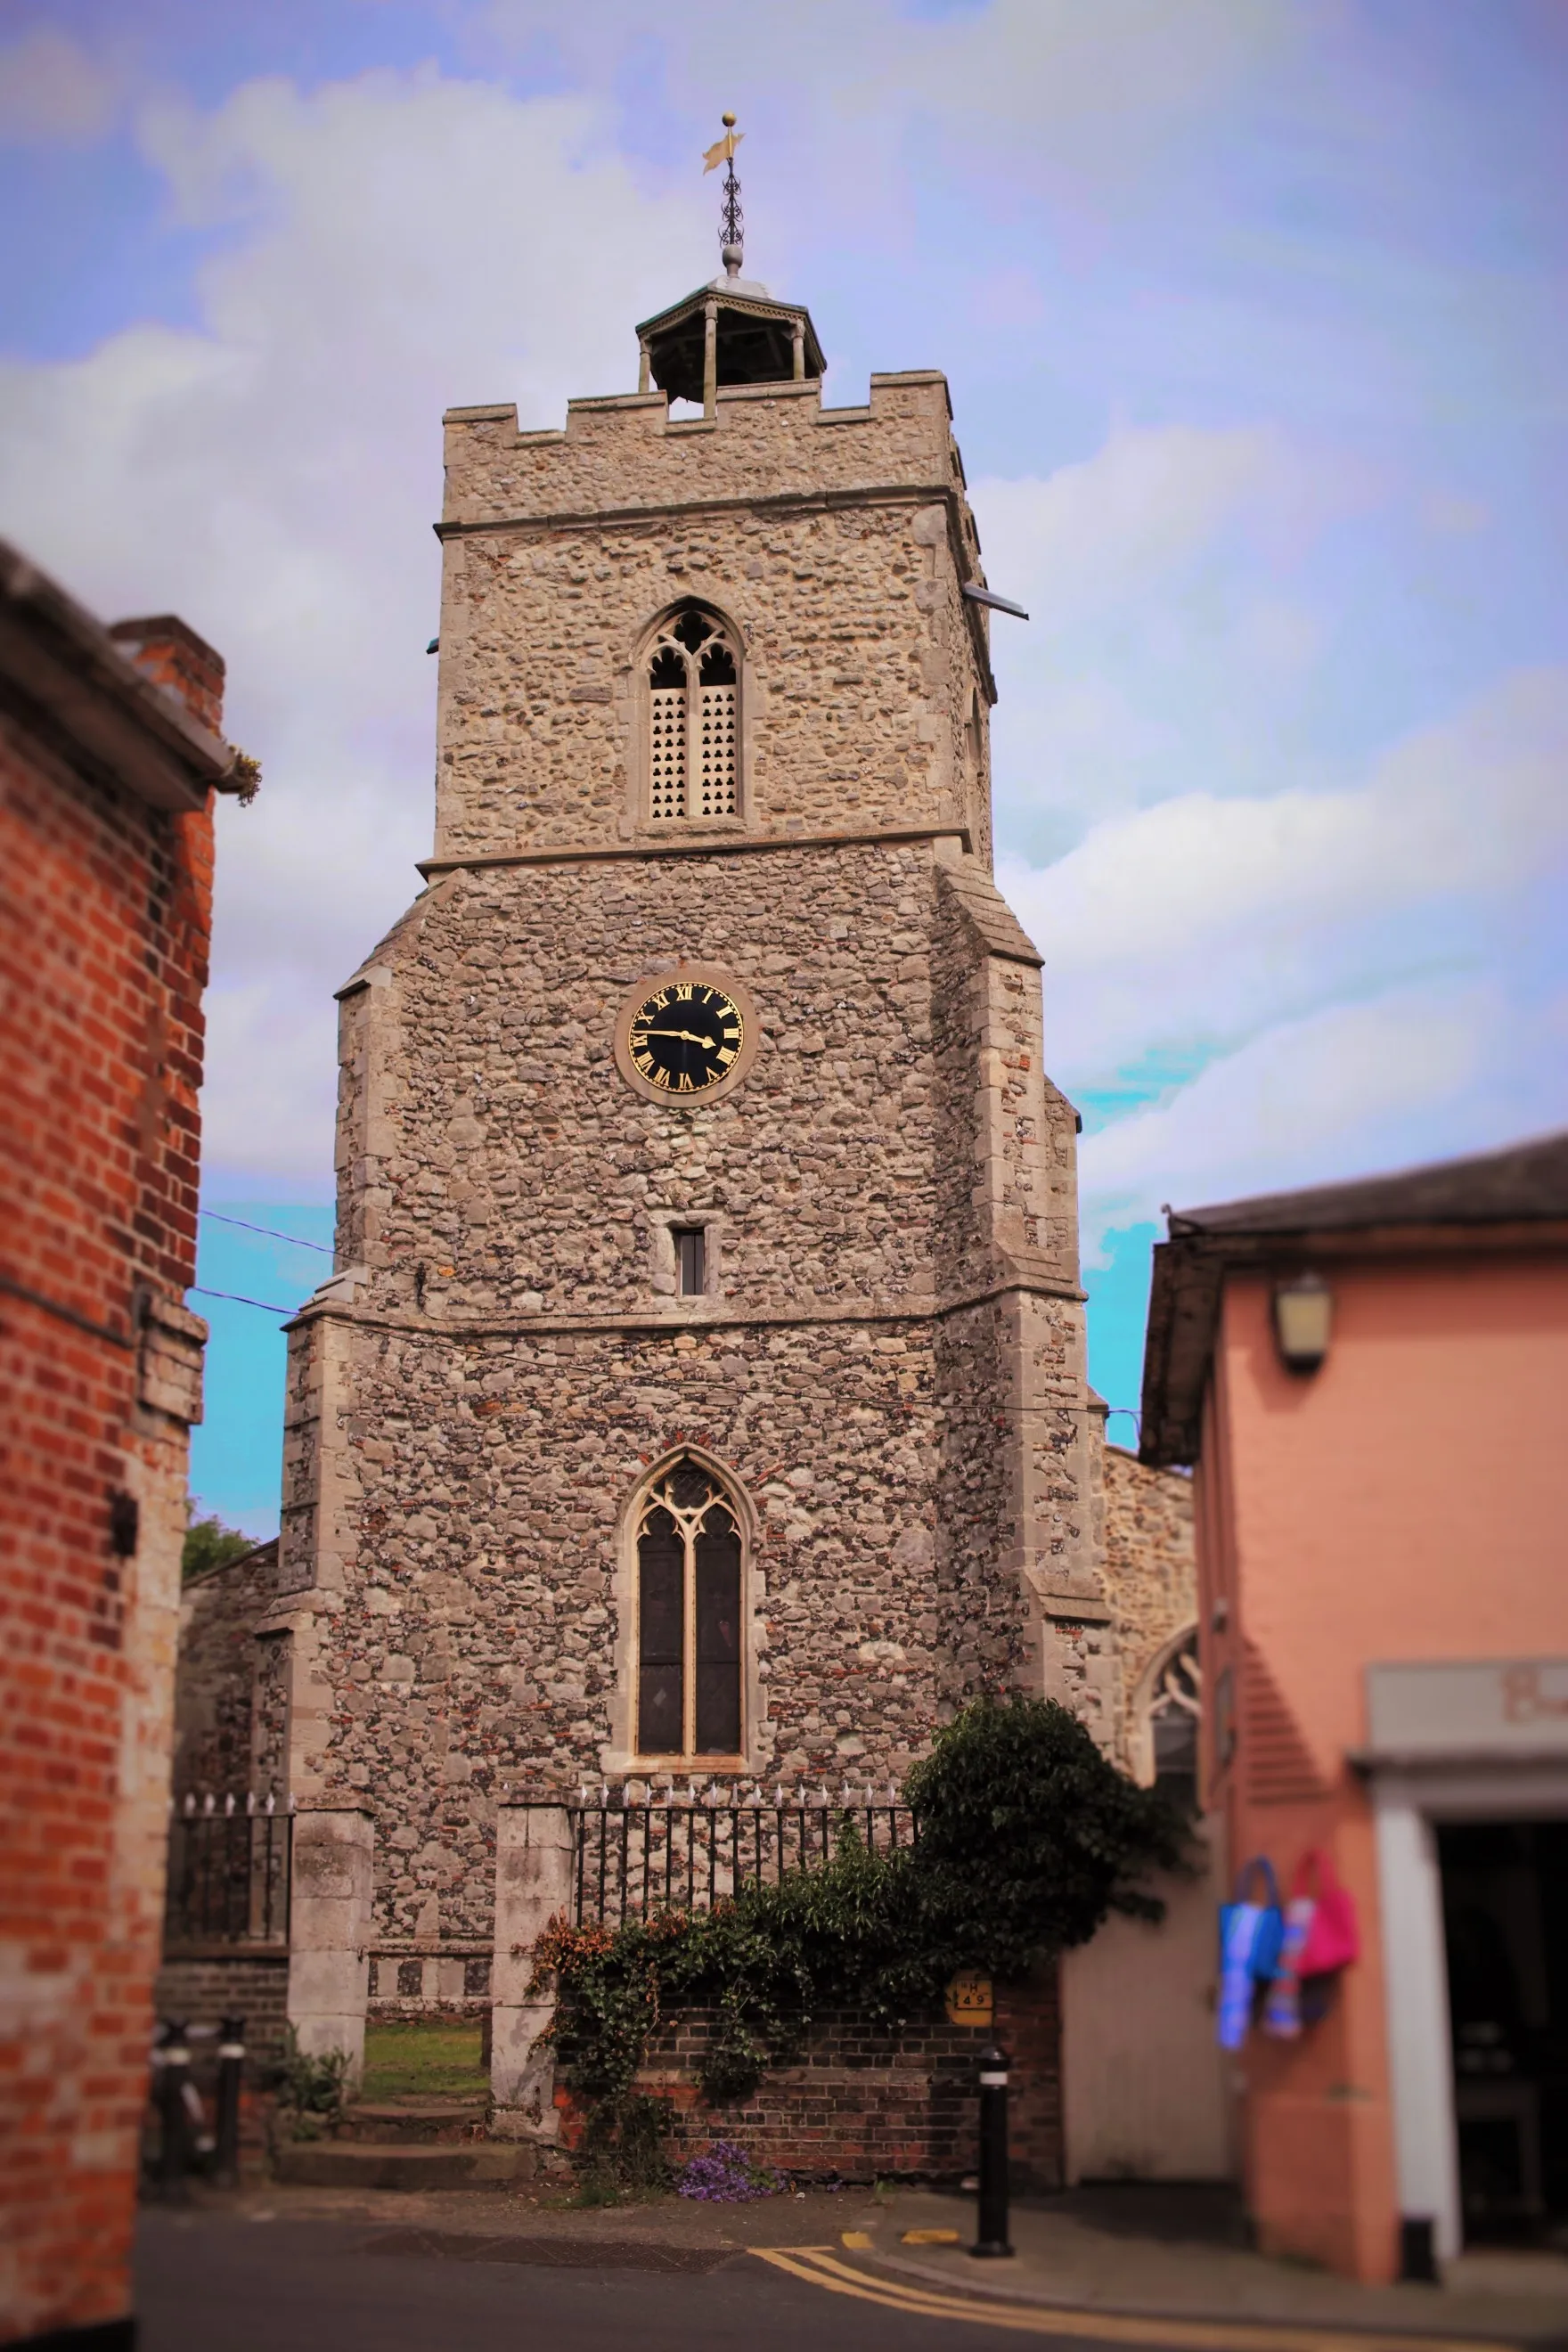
(727, 2176)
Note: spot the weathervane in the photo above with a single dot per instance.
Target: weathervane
(731, 220)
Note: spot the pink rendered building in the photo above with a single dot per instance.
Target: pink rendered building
(1370, 1383)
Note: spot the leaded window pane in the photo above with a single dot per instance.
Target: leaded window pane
(661, 1623)
(718, 1570)
(689, 1633)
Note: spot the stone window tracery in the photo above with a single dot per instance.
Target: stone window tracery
(693, 682)
(1175, 1711)
(690, 1598)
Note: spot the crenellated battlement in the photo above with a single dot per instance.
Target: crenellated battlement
(626, 452)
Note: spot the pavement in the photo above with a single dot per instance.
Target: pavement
(468, 2271)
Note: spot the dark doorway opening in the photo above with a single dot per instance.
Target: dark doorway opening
(1505, 1917)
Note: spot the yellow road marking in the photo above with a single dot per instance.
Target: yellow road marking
(818, 2267)
(926, 2238)
(858, 2241)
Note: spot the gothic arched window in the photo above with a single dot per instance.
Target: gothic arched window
(1174, 1710)
(690, 1598)
(693, 696)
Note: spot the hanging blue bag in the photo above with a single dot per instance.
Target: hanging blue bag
(1251, 1933)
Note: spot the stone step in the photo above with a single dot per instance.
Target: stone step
(367, 2164)
(425, 2121)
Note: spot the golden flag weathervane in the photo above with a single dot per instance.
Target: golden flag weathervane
(732, 221)
(722, 149)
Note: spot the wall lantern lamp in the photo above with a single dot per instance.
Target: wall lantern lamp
(1304, 1319)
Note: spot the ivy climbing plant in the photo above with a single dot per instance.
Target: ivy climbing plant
(1028, 1837)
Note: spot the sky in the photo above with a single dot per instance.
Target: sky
(1253, 312)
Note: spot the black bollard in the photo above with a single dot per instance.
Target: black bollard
(991, 2238)
(230, 2069)
(173, 2060)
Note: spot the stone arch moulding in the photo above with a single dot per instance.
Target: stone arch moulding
(619, 1757)
(651, 739)
(1146, 1694)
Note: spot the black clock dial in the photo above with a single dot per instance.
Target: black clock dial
(685, 1037)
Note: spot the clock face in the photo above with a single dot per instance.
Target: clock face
(685, 1037)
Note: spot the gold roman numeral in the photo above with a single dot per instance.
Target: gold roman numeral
(683, 991)
(684, 1084)
(644, 1062)
(726, 1055)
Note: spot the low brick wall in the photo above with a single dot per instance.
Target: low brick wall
(204, 1986)
(864, 2104)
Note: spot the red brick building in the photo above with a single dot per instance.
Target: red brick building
(110, 755)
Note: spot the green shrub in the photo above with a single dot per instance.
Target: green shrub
(209, 1544)
(311, 2088)
(1027, 1838)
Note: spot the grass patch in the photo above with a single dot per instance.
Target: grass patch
(419, 2059)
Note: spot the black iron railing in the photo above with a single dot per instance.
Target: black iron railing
(228, 1871)
(634, 1861)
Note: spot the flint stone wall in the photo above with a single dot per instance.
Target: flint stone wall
(506, 1369)
(888, 1362)
(864, 687)
(1150, 1567)
(214, 1742)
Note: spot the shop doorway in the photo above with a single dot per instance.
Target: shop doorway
(1505, 1919)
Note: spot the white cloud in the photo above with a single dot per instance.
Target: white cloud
(52, 92)
(1063, 96)
(1360, 977)
(1204, 919)
(1420, 1073)
(1172, 639)
(391, 246)
(1264, 966)
(386, 247)
(1077, 544)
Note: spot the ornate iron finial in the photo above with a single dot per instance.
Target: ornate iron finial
(731, 220)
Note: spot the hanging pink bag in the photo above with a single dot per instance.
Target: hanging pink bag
(1334, 1939)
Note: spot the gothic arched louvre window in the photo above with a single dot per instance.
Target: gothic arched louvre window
(689, 1616)
(693, 694)
(1176, 1708)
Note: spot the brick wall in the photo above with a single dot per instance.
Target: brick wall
(104, 911)
(202, 1990)
(864, 2103)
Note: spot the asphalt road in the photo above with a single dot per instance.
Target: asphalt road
(223, 2282)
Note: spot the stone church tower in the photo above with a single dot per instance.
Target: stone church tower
(701, 1395)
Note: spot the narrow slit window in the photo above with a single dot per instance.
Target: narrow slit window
(690, 1598)
(691, 1259)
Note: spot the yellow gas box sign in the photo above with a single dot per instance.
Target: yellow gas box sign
(970, 2000)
